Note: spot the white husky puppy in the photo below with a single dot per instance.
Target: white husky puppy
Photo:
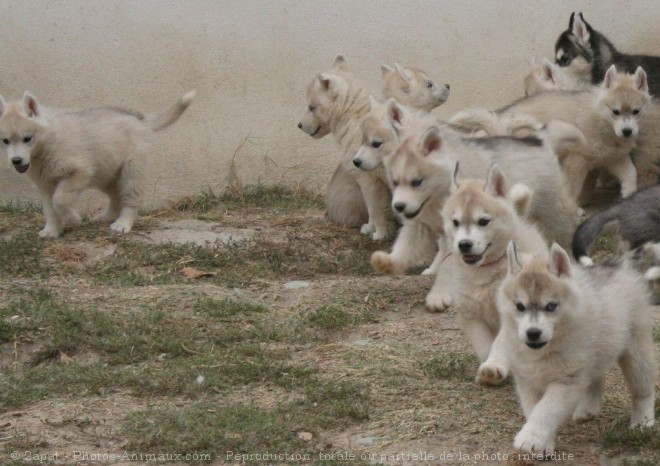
(548, 76)
(64, 152)
(413, 87)
(480, 219)
(562, 328)
(609, 117)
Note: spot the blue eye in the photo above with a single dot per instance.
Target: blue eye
(416, 183)
(551, 306)
(520, 307)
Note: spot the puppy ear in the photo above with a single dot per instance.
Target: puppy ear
(570, 21)
(395, 112)
(431, 140)
(641, 80)
(547, 70)
(32, 107)
(454, 179)
(560, 264)
(581, 30)
(496, 182)
(610, 78)
(512, 259)
(340, 62)
(521, 197)
(3, 106)
(386, 70)
(402, 72)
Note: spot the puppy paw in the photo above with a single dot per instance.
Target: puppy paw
(380, 234)
(121, 226)
(368, 228)
(381, 263)
(49, 232)
(534, 440)
(438, 302)
(104, 217)
(491, 374)
(429, 271)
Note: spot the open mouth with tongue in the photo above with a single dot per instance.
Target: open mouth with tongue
(22, 168)
(471, 259)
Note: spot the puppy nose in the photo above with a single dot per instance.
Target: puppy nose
(626, 132)
(357, 162)
(16, 160)
(465, 245)
(300, 125)
(399, 206)
(533, 334)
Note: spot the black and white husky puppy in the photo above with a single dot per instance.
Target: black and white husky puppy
(587, 54)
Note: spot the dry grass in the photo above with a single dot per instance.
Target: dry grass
(106, 347)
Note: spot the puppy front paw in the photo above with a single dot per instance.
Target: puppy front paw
(534, 440)
(49, 232)
(382, 263)
(368, 228)
(121, 226)
(491, 374)
(438, 302)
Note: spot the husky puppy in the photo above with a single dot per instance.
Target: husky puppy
(548, 76)
(420, 172)
(609, 119)
(562, 328)
(637, 219)
(413, 87)
(480, 219)
(64, 152)
(336, 103)
(587, 55)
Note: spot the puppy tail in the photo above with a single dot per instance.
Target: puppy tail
(563, 137)
(476, 119)
(160, 121)
(587, 233)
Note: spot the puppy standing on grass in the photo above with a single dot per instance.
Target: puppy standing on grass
(562, 328)
(67, 151)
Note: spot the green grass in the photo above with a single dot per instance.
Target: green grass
(452, 366)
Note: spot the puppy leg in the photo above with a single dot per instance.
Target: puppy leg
(639, 370)
(111, 212)
(626, 173)
(53, 226)
(65, 197)
(437, 260)
(414, 244)
(480, 335)
(377, 197)
(555, 406)
(528, 396)
(576, 170)
(130, 187)
(496, 368)
(439, 298)
(590, 403)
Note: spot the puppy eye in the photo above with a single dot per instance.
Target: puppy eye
(27, 139)
(615, 112)
(429, 84)
(312, 108)
(395, 183)
(635, 111)
(483, 222)
(455, 223)
(376, 144)
(416, 183)
(5, 141)
(520, 306)
(551, 306)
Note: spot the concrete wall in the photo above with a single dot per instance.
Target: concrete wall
(251, 61)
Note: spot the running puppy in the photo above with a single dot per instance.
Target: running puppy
(65, 152)
(562, 328)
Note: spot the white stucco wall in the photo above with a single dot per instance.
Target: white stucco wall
(251, 61)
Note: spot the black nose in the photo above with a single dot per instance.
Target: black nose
(465, 245)
(300, 125)
(399, 206)
(357, 162)
(533, 334)
(447, 86)
(17, 161)
(626, 132)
